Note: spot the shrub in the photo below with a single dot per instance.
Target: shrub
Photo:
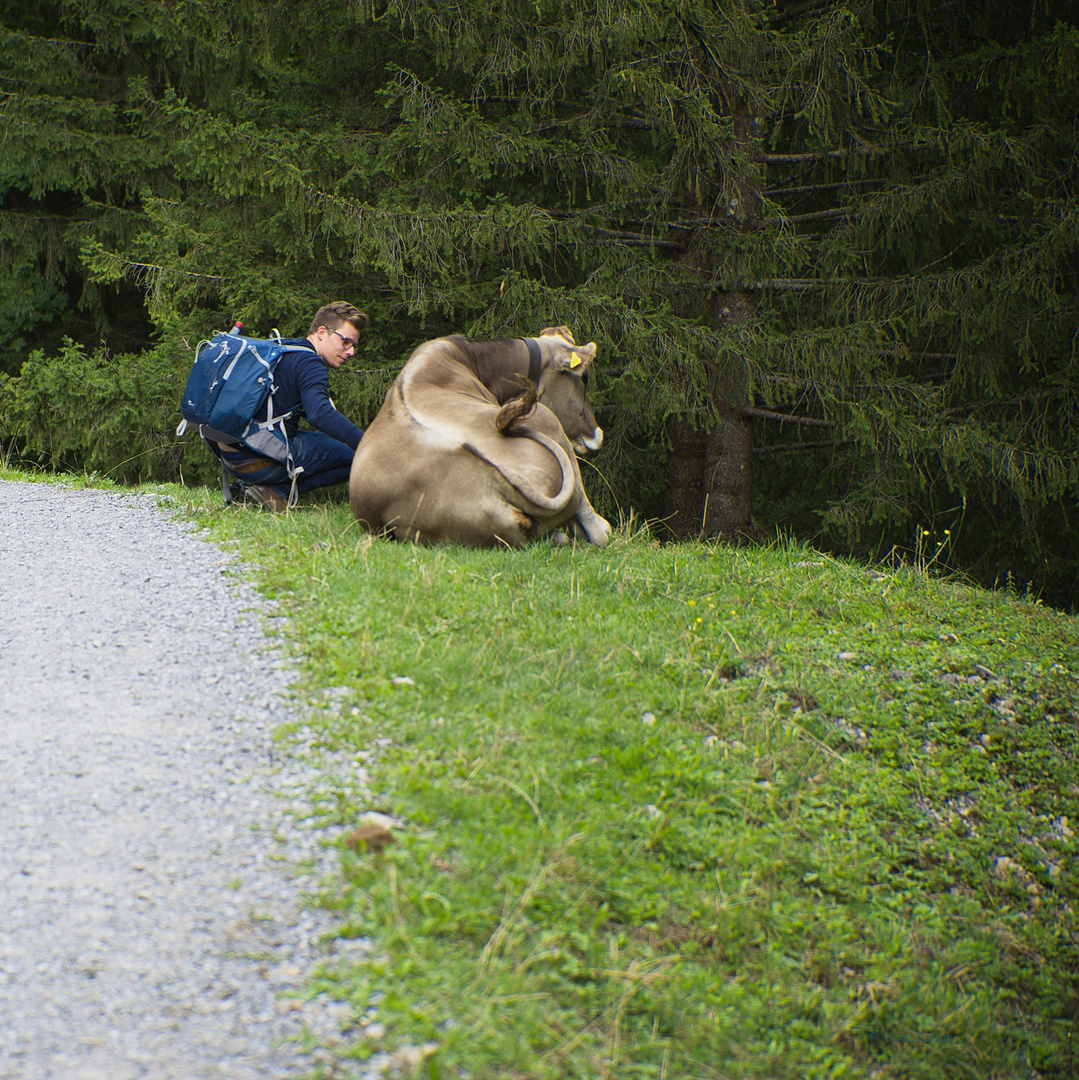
(101, 413)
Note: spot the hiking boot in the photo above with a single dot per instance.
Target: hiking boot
(266, 497)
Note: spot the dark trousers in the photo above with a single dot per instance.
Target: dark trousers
(324, 461)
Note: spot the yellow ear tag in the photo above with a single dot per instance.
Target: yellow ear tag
(575, 360)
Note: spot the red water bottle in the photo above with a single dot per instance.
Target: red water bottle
(236, 328)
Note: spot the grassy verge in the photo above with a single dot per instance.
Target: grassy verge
(689, 811)
(693, 811)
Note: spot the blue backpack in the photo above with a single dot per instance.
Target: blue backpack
(230, 397)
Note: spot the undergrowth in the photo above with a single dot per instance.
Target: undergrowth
(688, 811)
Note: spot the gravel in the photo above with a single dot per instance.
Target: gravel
(155, 845)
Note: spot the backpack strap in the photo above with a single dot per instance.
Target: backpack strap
(278, 421)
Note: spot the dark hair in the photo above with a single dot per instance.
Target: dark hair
(332, 315)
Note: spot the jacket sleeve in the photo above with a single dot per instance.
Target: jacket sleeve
(314, 385)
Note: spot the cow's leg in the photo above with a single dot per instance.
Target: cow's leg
(597, 529)
(498, 522)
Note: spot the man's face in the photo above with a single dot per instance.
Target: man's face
(336, 346)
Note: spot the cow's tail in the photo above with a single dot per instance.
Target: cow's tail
(521, 482)
(517, 409)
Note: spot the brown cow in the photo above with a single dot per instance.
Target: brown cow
(458, 452)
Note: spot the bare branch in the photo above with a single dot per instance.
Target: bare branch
(1026, 399)
(796, 13)
(819, 215)
(778, 448)
(786, 285)
(637, 240)
(814, 189)
(143, 271)
(805, 284)
(782, 418)
(817, 155)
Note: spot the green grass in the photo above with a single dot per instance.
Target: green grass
(689, 811)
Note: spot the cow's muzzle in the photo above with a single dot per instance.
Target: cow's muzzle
(591, 444)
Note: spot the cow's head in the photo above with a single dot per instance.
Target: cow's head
(563, 387)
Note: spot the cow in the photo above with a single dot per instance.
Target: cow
(476, 444)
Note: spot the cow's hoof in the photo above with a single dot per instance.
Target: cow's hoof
(600, 536)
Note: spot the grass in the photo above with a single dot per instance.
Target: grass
(687, 811)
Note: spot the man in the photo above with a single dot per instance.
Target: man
(303, 382)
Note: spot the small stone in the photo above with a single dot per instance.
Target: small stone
(369, 838)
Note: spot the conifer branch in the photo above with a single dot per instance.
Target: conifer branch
(820, 215)
(786, 285)
(1025, 399)
(637, 239)
(805, 284)
(782, 17)
(619, 118)
(816, 189)
(782, 418)
(777, 448)
(816, 155)
(20, 215)
(144, 271)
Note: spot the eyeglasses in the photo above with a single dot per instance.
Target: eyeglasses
(346, 340)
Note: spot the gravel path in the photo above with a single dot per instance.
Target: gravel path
(151, 916)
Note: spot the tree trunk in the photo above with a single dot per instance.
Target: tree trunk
(728, 480)
(710, 481)
(683, 500)
(728, 475)
(710, 474)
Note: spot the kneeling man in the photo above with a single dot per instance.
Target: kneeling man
(303, 382)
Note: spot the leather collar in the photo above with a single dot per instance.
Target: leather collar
(535, 361)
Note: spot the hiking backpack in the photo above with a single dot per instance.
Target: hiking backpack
(230, 398)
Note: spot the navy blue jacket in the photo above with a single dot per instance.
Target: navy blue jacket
(304, 379)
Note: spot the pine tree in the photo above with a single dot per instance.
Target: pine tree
(834, 243)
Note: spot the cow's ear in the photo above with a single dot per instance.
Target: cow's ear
(577, 359)
(585, 354)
